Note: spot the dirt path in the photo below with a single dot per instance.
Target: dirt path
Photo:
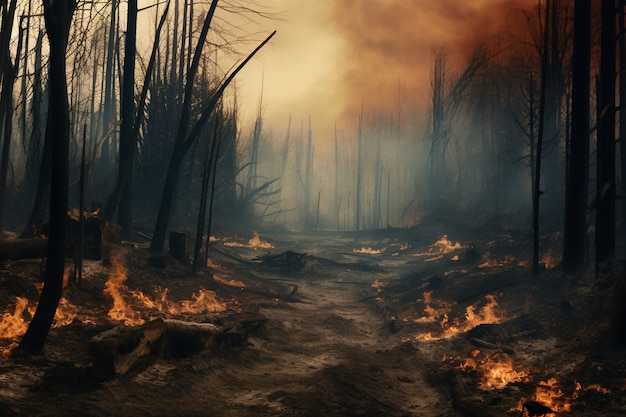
(329, 355)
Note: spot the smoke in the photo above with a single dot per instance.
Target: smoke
(387, 43)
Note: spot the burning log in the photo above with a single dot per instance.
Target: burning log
(488, 345)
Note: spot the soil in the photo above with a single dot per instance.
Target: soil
(373, 324)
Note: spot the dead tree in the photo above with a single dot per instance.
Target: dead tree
(605, 186)
(184, 140)
(540, 134)
(578, 173)
(58, 18)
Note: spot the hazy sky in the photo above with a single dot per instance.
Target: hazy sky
(328, 55)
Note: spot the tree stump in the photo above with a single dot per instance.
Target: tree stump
(178, 245)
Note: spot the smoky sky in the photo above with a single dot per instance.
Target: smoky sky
(387, 43)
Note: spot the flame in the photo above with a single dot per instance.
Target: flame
(379, 285)
(550, 260)
(122, 310)
(497, 370)
(550, 394)
(95, 212)
(441, 247)
(114, 286)
(13, 324)
(507, 261)
(370, 251)
(255, 243)
(225, 275)
(488, 314)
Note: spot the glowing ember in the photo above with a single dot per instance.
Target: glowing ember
(379, 285)
(370, 251)
(225, 275)
(507, 261)
(550, 260)
(254, 243)
(497, 370)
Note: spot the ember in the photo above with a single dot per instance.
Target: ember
(13, 324)
(550, 260)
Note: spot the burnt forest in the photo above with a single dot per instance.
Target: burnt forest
(313, 208)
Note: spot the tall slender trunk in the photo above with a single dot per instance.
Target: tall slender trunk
(6, 111)
(605, 212)
(58, 17)
(575, 232)
(359, 157)
(540, 136)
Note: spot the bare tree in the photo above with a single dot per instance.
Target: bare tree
(58, 18)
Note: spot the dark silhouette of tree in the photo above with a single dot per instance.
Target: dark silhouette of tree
(578, 171)
(184, 140)
(58, 16)
(605, 186)
(129, 131)
(540, 138)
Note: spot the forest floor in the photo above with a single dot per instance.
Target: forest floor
(424, 321)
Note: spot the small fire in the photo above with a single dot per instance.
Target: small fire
(507, 261)
(379, 285)
(497, 370)
(13, 324)
(441, 247)
(114, 286)
(370, 251)
(488, 314)
(225, 276)
(550, 260)
(203, 301)
(550, 394)
(254, 243)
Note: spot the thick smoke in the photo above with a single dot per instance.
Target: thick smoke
(387, 42)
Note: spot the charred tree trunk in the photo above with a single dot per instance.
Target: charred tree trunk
(58, 17)
(6, 112)
(183, 140)
(540, 135)
(605, 211)
(578, 172)
(120, 192)
(127, 141)
(622, 100)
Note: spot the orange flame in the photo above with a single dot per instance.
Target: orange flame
(497, 370)
(441, 247)
(551, 260)
(120, 311)
(254, 243)
(370, 251)
(488, 314)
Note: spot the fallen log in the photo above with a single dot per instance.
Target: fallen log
(488, 345)
(123, 348)
(15, 249)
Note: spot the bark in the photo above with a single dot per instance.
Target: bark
(58, 17)
(575, 232)
(605, 186)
